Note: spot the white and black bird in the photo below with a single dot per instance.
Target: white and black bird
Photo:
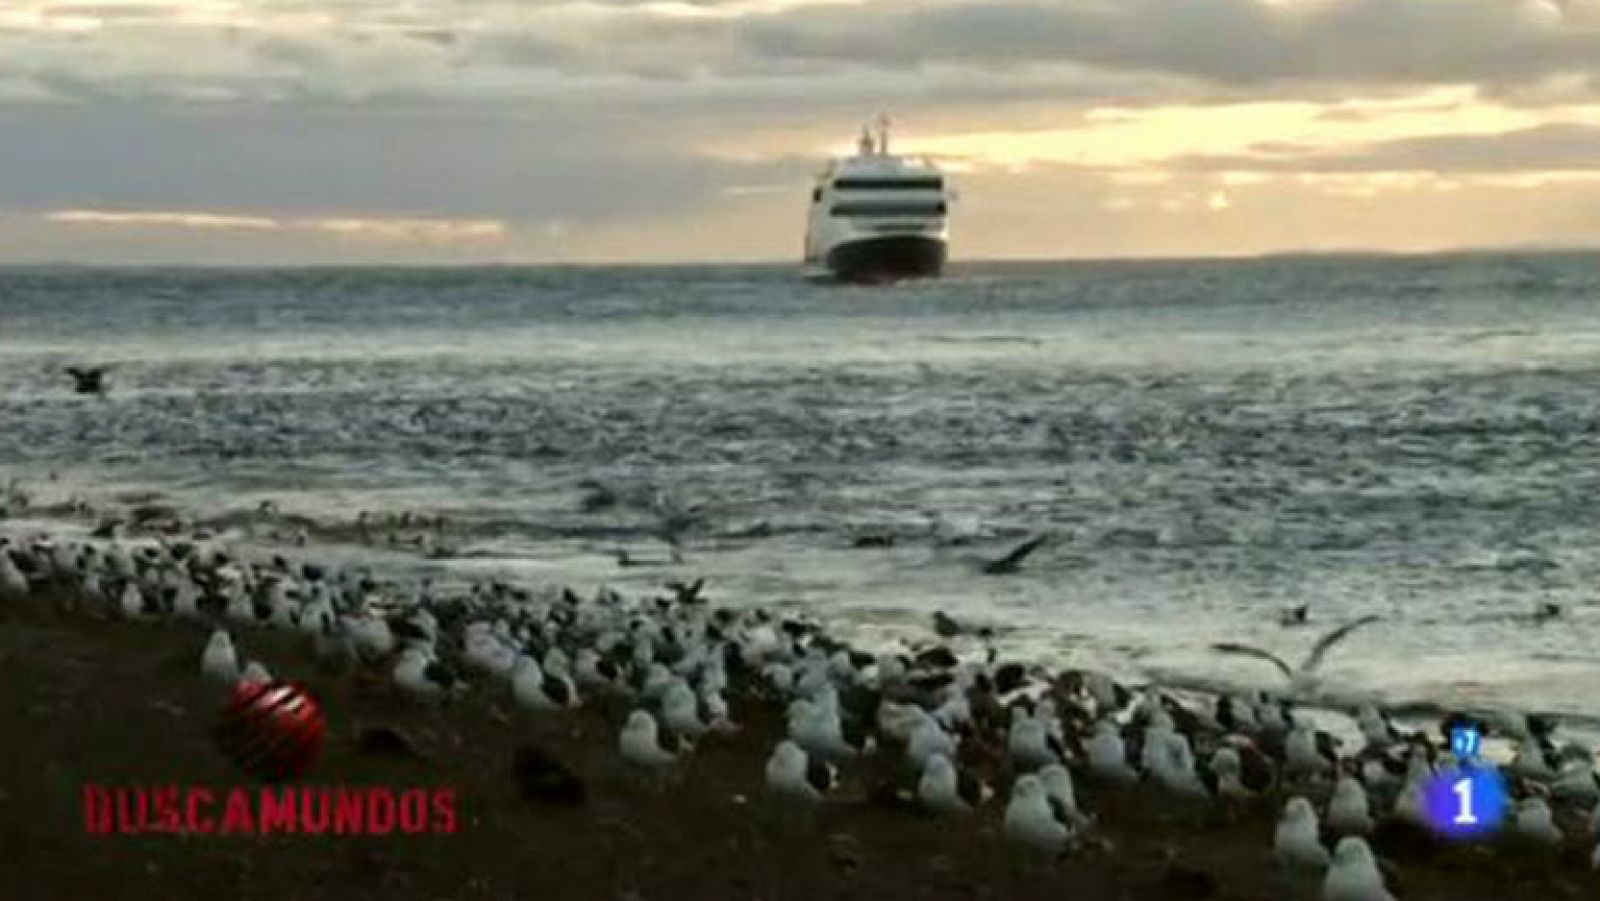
(1354, 874)
(1305, 674)
(219, 661)
(13, 583)
(795, 775)
(1297, 843)
(1576, 782)
(255, 674)
(1349, 811)
(596, 673)
(1108, 756)
(641, 745)
(943, 789)
(1031, 821)
(1058, 788)
(421, 676)
(1534, 823)
(1029, 743)
(680, 711)
(537, 689)
(928, 738)
(1227, 766)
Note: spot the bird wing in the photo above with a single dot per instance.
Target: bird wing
(1244, 650)
(1014, 559)
(1326, 642)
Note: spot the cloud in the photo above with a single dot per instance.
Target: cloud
(383, 230)
(203, 221)
(1547, 148)
(592, 128)
(495, 49)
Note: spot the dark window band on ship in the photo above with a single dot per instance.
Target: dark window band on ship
(888, 184)
(889, 209)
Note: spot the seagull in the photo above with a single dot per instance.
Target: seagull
(255, 674)
(219, 661)
(793, 774)
(640, 743)
(1057, 781)
(88, 381)
(928, 738)
(1030, 820)
(1354, 875)
(595, 673)
(1348, 811)
(1295, 843)
(537, 689)
(818, 730)
(680, 711)
(1029, 744)
(1108, 756)
(1011, 562)
(13, 584)
(944, 790)
(1577, 783)
(421, 676)
(1302, 756)
(1229, 770)
(945, 625)
(1534, 822)
(1313, 660)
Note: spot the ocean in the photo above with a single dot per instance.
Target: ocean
(1205, 444)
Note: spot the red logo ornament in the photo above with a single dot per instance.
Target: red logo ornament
(274, 731)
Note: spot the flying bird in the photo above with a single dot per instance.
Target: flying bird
(88, 381)
(1313, 660)
(1011, 562)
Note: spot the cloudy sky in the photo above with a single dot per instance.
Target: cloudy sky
(318, 131)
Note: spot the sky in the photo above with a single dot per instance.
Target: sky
(267, 132)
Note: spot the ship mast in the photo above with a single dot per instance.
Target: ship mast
(883, 134)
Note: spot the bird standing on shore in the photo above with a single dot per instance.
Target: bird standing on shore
(13, 584)
(219, 661)
(1349, 812)
(942, 789)
(641, 745)
(422, 677)
(1031, 821)
(795, 775)
(1296, 842)
(1354, 875)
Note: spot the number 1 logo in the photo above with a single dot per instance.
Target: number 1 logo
(1465, 817)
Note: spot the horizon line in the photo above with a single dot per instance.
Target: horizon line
(1350, 252)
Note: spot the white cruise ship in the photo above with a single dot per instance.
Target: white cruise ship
(877, 217)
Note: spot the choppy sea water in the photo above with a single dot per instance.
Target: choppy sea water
(1205, 443)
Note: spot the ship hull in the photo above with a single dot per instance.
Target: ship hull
(887, 258)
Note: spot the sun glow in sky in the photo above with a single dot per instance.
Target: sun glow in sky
(286, 131)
